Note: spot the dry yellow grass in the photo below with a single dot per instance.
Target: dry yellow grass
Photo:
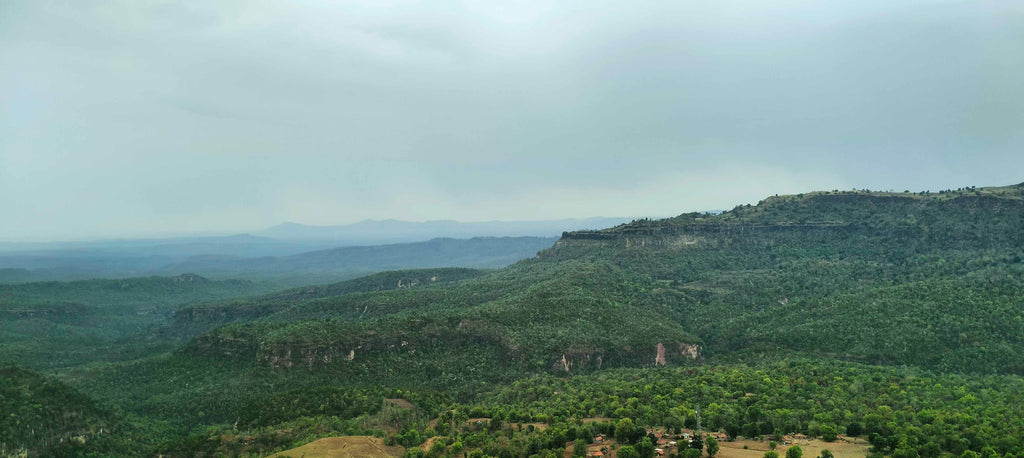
(812, 448)
(343, 447)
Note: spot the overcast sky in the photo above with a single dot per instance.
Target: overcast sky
(122, 118)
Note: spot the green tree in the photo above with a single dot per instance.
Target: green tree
(772, 445)
(645, 448)
(712, 446)
(690, 453)
(854, 429)
(930, 450)
(579, 448)
(771, 454)
(624, 430)
(795, 452)
(627, 451)
(904, 451)
(829, 433)
(697, 443)
(826, 453)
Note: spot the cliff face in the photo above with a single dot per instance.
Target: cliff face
(352, 346)
(986, 218)
(583, 359)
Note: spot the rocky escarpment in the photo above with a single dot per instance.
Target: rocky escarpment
(341, 343)
(582, 359)
(349, 344)
(838, 212)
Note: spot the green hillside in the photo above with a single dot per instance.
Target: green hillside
(59, 324)
(43, 417)
(908, 305)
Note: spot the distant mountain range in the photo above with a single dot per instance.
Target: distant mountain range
(295, 249)
(375, 232)
(477, 252)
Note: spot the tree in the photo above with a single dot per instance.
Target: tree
(771, 454)
(930, 450)
(772, 445)
(645, 448)
(681, 447)
(795, 452)
(624, 430)
(826, 453)
(712, 446)
(904, 451)
(697, 443)
(828, 433)
(585, 434)
(854, 429)
(627, 451)
(579, 448)
(691, 453)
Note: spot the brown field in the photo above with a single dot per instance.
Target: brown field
(400, 403)
(343, 447)
(811, 448)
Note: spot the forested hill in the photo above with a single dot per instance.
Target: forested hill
(920, 283)
(44, 417)
(929, 279)
(960, 209)
(59, 324)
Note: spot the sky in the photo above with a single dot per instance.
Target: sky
(141, 118)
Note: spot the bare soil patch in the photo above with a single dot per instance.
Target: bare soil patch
(400, 403)
(343, 447)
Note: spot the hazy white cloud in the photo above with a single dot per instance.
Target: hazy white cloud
(128, 117)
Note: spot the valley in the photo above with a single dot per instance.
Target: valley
(893, 319)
